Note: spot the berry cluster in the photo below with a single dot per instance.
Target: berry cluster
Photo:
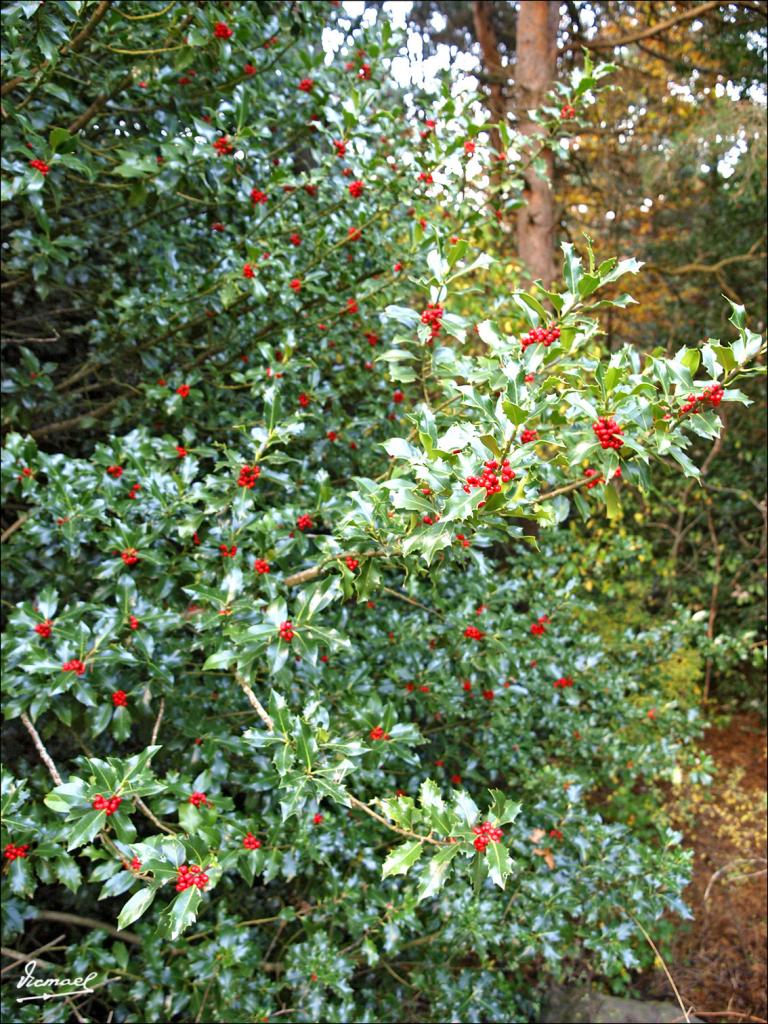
(190, 875)
(120, 699)
(183, 390)
(352, 563)
(248, 270)
(115, 472)
(134, 491)
(261, 566)
(130, 556)
(223, 146)
(44, 628)
(107, 804)
(39, 165)
(248, 476)
(489, 480)
(712, 397)
(306, 85)
(258, 197)
(135, 864)
(222, 30)
(356, 189)
(474, 633)
(433, 317)
(133, 622)
(198, 799)
(74, 665)
(181, 451)
(16, 852)
(567, 113)
(540, 335)
(377, 733)
(607, 431)
(486, 833)
(228, 552)
(304, 522)
(593, 478)
(540, 626)
(529, 435)
(250, 842)
(286, 631)
(563, 683)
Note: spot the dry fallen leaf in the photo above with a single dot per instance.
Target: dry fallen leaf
(536, 835)
(546, 853)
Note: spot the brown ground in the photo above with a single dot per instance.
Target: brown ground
(718, 961)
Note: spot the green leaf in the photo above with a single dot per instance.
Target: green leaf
(613, 505)
(182, 912)
(572, 269)
(490, 334)
(219, 660)
(58, 137)
(403, 315)
(135, 907)
(436, 872)
(528, 304)
(499, 865)
(86, 828)
(402, 858)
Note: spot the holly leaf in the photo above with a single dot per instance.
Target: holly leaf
(402, 858)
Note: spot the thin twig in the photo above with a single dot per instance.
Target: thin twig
(33, 954)
(21, 958)
(411, 600)
(45, 757)
(14, 527)
(158, 720)
(354, 802)
(255, 703)
(723, 870)
(670, 979)
(395, 975)
(723, 1013)
(88, 922)
(155, 821)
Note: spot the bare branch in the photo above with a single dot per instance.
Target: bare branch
(653, 30)
(158, 720)
(9, 532)
(45, 757)
(255, 703)
(88, 922)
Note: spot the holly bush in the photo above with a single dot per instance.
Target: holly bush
(299, 676)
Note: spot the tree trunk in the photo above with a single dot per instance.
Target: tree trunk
(482, 16)
(537, 24)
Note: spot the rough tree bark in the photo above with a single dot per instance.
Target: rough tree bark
(537, 24)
